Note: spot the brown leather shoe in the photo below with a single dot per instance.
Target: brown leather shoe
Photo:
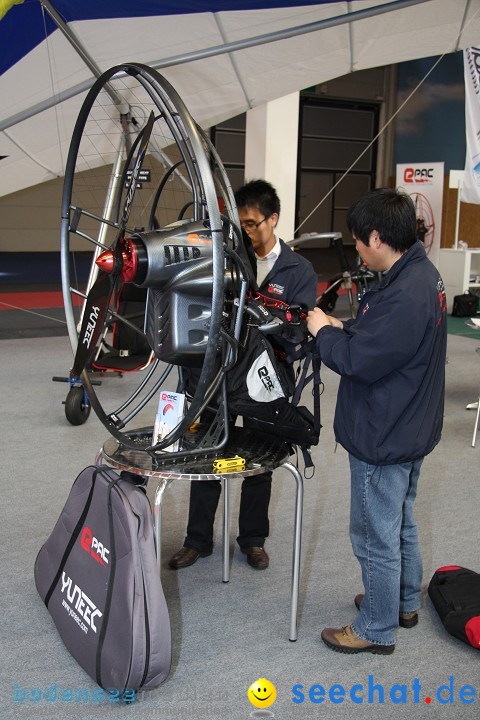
(344, 640)
(256, 557)
(405, 620)
(186, 556)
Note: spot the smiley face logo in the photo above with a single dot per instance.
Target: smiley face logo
(262, 693)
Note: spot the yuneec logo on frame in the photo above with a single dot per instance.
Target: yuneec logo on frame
(91, 325)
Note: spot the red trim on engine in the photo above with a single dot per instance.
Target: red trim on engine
(130, 261)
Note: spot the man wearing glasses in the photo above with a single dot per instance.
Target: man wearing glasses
(282, 275)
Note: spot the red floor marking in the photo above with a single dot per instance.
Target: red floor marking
(34, 300)
(54, 299)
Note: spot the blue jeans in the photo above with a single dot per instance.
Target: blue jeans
(384, 539)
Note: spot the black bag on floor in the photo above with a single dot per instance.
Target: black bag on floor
(97, 574)
(455, 594)
(465, 305)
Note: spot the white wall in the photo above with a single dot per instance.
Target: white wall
(271, 153)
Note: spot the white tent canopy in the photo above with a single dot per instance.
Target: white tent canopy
(222, 57)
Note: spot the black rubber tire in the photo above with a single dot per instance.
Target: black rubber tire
(76, 411)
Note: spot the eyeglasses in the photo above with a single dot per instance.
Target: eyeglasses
(250, 225)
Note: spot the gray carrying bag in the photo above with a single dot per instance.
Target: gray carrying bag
(97, 574)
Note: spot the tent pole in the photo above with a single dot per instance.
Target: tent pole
(457, 216)
(284, 34)
(78, 47)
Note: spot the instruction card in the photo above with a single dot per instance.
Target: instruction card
(171, 409)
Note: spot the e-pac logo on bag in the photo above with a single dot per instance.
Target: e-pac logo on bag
(264, 376)
(94, 547)
(262, 381)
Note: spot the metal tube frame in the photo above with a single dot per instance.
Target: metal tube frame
(164, 482)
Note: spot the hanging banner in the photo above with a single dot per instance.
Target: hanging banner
(471, 178)
(424, 183)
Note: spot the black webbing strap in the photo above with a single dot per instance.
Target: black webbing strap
(312, 358)
(317, 384)
(111, 578)
(73, 538)
(302, 381)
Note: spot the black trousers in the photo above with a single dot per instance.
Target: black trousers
(253, 524)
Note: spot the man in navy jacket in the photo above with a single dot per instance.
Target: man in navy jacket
(389, 412)
(285, 276)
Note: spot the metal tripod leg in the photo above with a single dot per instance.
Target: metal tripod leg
(163, 483)
(297, 541)
(226, 532)
(476, 422)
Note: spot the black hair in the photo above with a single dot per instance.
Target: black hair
(260, 194)
(390, 212)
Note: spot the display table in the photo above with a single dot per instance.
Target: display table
(474, 405)
(261, 454)
(460, 271)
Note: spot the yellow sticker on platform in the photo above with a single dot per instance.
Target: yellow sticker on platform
(225, 465)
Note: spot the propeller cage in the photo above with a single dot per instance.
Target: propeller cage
(196, 282)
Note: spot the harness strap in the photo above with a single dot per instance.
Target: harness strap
(269, 302)
(312, 358)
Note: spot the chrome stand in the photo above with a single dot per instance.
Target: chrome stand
(261, 455)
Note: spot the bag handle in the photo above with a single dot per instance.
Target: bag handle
(74, 536)
(111, 579)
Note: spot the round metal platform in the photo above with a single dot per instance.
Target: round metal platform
(261, 453)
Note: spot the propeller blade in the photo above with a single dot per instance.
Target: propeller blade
(95, 312)
(142, 150)
(98, 299)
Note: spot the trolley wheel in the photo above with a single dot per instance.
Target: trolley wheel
(76, 410)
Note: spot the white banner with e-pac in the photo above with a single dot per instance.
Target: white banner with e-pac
(424, 183)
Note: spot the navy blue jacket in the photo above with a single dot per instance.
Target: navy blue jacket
(292, 279)
(391, 359)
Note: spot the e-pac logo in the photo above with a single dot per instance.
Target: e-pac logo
(168, 396)
(265, 378)
(418, 175)
(94, 547)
